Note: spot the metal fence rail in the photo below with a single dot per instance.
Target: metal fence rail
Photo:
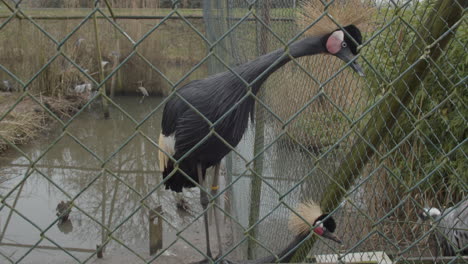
(374, 152)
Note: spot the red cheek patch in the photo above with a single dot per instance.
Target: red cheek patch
(318, 231)
(334, 42)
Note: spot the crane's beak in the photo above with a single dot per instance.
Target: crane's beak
(347, 56)
(357, 68)
(331, 236)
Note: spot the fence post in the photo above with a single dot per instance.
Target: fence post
(105, 104)
(116, 57)
(155, 230)
(428, 47)
(216, 25)
(259, 140)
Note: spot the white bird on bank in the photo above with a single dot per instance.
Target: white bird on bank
(81, 88)
(104, 63)
(79, 41)
(143, 91)
(7, 86)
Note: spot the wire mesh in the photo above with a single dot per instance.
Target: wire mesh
(393, 142)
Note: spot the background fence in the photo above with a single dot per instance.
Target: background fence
(373, 151)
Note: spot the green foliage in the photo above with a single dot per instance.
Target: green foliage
(305, 128)
(436, 115)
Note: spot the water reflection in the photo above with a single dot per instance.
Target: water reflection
(66, 226)
(110, 172)
(107, 167)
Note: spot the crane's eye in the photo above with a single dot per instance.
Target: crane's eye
(344, 45)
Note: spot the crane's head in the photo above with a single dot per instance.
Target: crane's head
(326, 227)
(322, 224)
(429, 213)
(339, 44)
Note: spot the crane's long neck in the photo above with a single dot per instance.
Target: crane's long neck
(262, 67)
(285, 255)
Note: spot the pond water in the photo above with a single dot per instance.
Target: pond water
(110, 170)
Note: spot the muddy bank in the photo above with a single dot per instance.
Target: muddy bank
(29, 118)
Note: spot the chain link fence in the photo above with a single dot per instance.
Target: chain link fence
(374, 152)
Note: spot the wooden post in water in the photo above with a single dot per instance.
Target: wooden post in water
(432, 40)
(103, 211)
(115, 63)
(99, 252)
(155, 230)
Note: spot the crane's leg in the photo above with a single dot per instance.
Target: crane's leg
(214, 192)
(204, 202)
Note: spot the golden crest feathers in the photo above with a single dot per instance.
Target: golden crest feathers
(356, 12)
(308, 211)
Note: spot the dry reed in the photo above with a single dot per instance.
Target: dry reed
(163, 49)
(343, 13)
(90, 4)
(28, 119)
(19, 128)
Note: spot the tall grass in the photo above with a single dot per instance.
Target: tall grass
(87, 3)
(173, 49)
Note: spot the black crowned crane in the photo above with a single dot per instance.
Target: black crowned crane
(317, 222)
(451, 228)
(224, 98)
(324, 225)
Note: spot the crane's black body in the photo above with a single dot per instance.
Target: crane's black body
(213, 97)
(216, 95)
